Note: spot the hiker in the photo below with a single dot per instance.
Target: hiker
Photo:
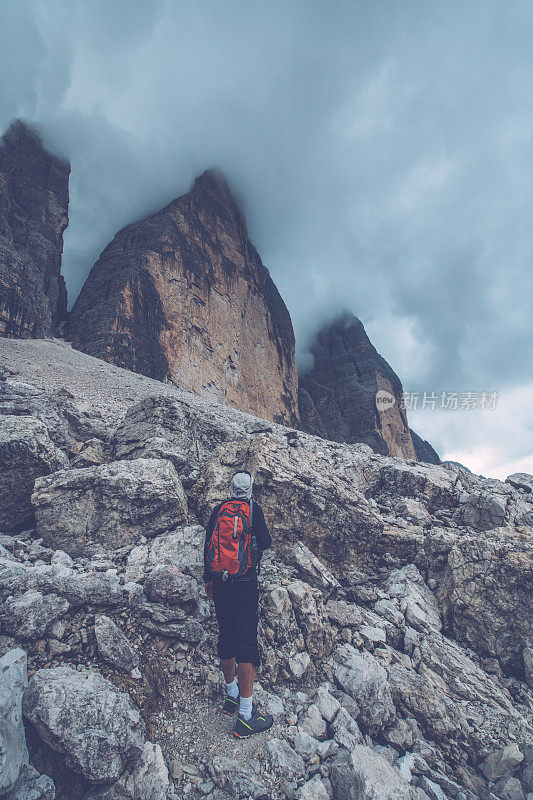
(235, 537)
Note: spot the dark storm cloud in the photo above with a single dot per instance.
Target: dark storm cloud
(382, 153)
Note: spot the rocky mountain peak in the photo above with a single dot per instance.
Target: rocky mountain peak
(338, 395)
(33, 217)
(184, 297)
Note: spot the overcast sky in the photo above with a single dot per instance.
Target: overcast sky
(382, 152)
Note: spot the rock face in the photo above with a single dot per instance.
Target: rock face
(108, 505)
(424, 451)
(26, 452)
(337, 397)
(13, 751)
(76, 713)
(478, 570)
(33, 216)
(183, 296)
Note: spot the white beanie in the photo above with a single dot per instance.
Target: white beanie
(241, 485)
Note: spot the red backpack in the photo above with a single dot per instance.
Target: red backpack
(232, 549)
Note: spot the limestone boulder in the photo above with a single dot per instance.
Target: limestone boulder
(13, 750)
(311, 569)
(108, 506)
(361, 676)
(182, 548)
(26, 453)
(84, 717)
(166, 584)
(364, 774)
(113, 646)
(30, 615)
(417, 602)
(238, 781)
(487, 594)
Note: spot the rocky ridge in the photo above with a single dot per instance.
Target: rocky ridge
(33, 217)
(395, 623)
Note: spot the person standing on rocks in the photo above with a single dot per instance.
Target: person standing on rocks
(236, 535)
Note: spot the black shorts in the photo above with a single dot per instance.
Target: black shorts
(236, 607)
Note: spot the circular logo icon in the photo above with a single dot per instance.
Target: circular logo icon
(384, 400)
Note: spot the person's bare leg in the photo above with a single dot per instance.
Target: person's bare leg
(227, 665)
(246, 679)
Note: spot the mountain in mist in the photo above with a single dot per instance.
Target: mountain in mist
(337, 397)
(184, 297)
(33, 217)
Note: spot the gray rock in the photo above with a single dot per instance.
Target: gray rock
(26, 453)
(526, 776)
(112, 505)
(364, 679)
(416, 600)
(147, 780)
(113, 646)
(298, 664)
(92, 453)
(166, 584)
(508, 788)
(313, 790)
(241, 783)
(85, 717)
(311, 569)
(31, 615)
(305, 745)
(433, 790)
(313, 723)
(502, 762)
(347, 615)
(345, 730)
(487, 594)
(364, 774)
(31, 785)
(527, 655)
(284, 760)
(392, 613)
(62, 559)
(13, 750)
(521, 480)
(311, 618)
(326, 703)
(182, 548)
(400, 735)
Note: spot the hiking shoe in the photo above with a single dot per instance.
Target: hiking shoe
(257, 723)
(231, 705)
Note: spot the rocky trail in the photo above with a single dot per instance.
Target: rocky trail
(395, 620)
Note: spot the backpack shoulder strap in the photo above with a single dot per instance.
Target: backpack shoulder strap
(251, 513)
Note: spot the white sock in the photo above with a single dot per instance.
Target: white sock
(233, 689)
(245, 707)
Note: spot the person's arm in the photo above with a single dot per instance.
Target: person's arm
(260, 528)
(208, 533)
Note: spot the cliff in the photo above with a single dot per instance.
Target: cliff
(33, 216)
(183, 297)
(338, 395)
